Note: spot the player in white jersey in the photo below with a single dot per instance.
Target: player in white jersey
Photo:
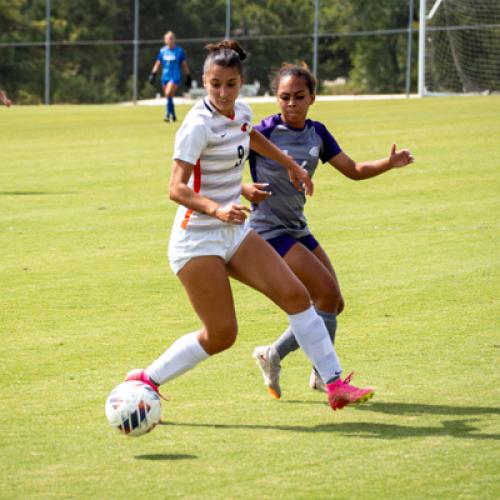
(211, 241)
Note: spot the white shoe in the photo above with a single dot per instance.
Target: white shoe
(268, 361)
(315, 382)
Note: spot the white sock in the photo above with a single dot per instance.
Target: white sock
(183, 355)
(312, 336)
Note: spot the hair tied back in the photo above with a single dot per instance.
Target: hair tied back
(227, 44)
(227, 53)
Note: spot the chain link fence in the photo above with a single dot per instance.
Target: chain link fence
(59, 66)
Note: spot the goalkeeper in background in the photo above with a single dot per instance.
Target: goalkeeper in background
(172, 59)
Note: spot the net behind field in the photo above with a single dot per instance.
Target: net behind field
(463, 47)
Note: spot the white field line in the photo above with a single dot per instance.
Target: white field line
(271, 99)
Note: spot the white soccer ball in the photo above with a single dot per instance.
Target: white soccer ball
(133, 408)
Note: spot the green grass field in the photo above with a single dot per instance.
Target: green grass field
(87, 294)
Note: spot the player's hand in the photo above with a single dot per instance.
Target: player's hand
(255, 192)
(301, 180)
(4, 99)
(152, 78)
(234, 213)
(188, 81)
(400, 158)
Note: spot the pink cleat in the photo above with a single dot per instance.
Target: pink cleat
(342, 393)
(141, 375)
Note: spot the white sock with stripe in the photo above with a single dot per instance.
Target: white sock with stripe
(183, 355)
(312, 336)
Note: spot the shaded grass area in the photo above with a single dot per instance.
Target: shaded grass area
(86, 294)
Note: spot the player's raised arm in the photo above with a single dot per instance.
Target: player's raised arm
(297, 174)
(366, 169)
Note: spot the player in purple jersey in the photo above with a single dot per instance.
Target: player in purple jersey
(172, 60)
(279, 217)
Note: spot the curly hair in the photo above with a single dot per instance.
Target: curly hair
(299, 70)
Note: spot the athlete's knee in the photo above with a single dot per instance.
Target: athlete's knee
(296, 297)
(220, 337)
(223, 341)
(329, 298)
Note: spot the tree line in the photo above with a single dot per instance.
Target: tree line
(103, 73)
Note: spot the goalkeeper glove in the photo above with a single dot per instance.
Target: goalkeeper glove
(152, 78)
(187, 81)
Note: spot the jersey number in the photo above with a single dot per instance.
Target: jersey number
(241, 154)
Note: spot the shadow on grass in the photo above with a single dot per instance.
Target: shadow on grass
(166, 456)
(412, 409)
(423, 409)
(34, 193)
(461, 429)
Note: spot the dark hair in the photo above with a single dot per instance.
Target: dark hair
(299, 70)
(227, 54)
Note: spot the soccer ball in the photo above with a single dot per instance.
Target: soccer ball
(133, 408)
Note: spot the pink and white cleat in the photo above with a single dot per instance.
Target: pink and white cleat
(141, 375)
(342, 393)
(316, 384)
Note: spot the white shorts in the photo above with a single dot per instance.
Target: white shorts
(221, 241)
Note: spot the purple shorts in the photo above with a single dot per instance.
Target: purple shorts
(284, 242)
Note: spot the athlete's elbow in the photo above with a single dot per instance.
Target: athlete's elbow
(174, 193)
(356, 175)
(353, 176)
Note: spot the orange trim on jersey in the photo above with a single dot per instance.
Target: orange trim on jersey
(185, 222)
(196, 189)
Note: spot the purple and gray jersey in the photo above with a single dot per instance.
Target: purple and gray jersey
(283, 212)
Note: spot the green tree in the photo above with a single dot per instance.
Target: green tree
(103, 73)
(374, 63)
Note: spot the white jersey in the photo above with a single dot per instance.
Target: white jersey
(218, 146)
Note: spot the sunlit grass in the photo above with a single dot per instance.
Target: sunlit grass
(86, 294)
